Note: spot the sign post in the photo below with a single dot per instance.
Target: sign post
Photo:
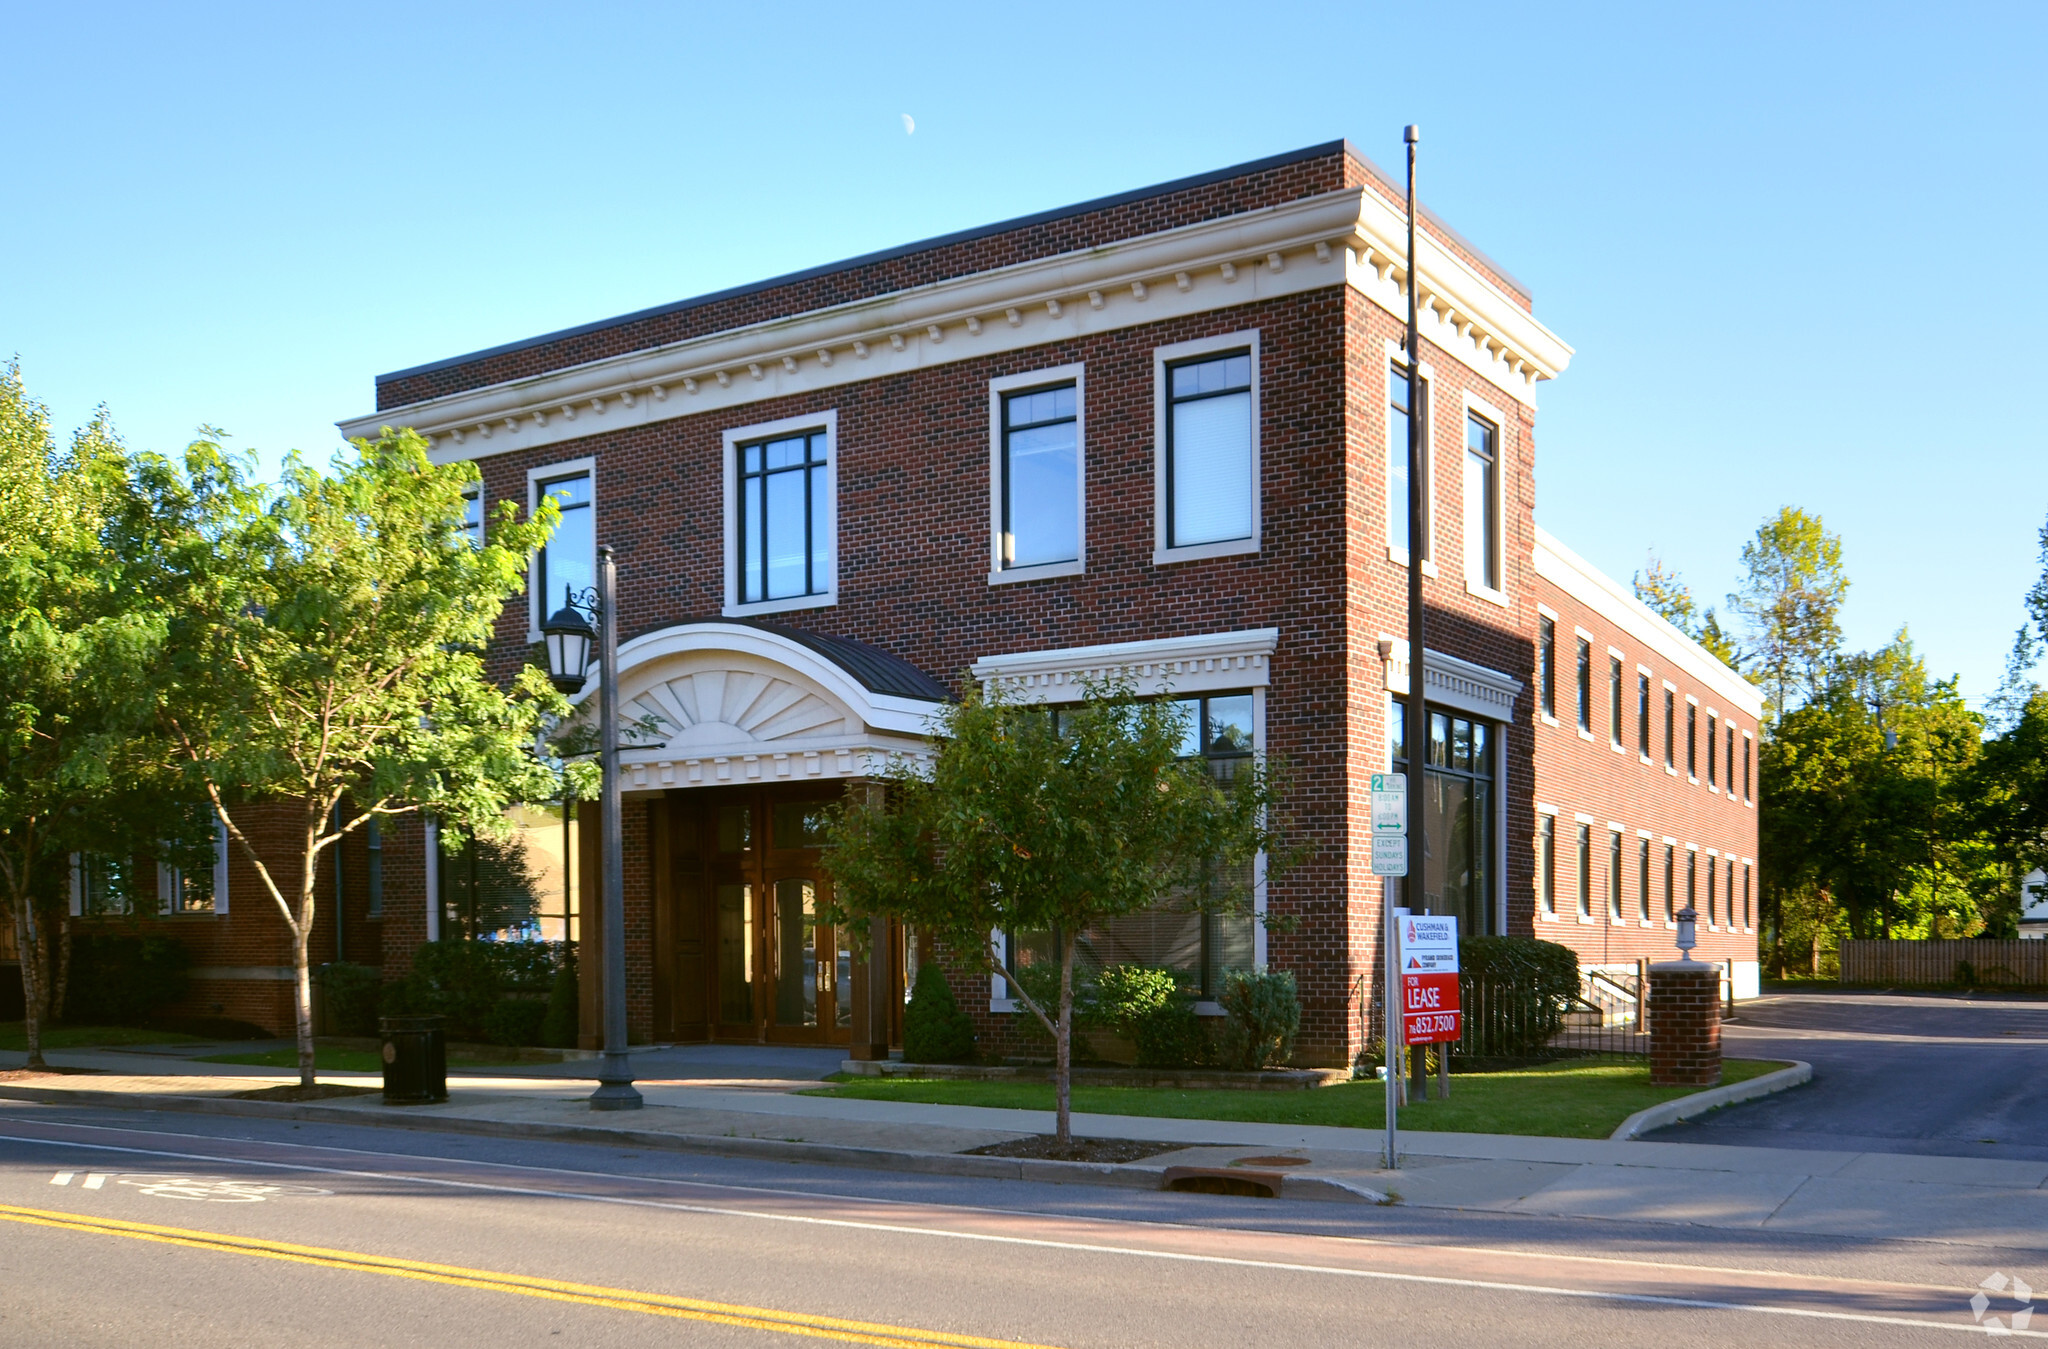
(1390, 858)
(1430, 1012)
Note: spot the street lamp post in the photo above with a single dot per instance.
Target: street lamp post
(568, 636)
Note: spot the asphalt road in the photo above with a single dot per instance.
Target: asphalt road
(129, 1228)
(1952, 1075)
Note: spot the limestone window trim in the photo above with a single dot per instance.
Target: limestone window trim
(1162, 359)
(1075, 374)
(1397, 553)
(1471, 406)
(732, 439)
(564, 468)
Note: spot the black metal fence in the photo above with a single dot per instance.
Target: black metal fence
(1506, 1023)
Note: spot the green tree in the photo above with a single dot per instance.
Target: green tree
(1791, 599)
(81, 627)
(1665, 591)
(1869, 819)
(328, 655)
(2010, 785)
(1027, 823)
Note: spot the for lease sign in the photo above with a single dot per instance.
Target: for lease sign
(1429, 980)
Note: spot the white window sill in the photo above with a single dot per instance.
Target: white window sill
(1547, 719)
(1648, 762)
(1618, 749)
(1002, 1004)
(1547, 917)
(1690, 779)
(1043, 571)
(1669, 771)
(1487, 593)
(1195, 552)
(1644, 923)
(1585, 734)
(824, 601)
(1399, 557)
(1585, 920)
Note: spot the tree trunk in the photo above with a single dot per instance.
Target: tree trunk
(1063, 1044)
(31, 983)
(302, 1000)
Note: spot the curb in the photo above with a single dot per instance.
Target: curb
(1700, 1102)
(1119, 1175)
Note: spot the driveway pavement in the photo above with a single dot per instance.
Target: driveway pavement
(1938, 1074)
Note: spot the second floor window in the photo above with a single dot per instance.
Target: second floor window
(1546, 863)
(1747, 795)
(1482, 516)
(1209, 488)
(473, 514)
(1400, 408)
(1692, 740)
(568, 561)
(784, 518)
(1713, 745)
(1041, 477)
(1585, 708)
(1614, 699)
(1670, 729)
(1643, 718)
(1546, 664)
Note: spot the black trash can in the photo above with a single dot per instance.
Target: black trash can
(415, 1059)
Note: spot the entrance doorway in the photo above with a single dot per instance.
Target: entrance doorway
(747, 954)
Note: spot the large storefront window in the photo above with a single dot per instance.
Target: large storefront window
(1457, 873)
(1174, 934)
(520, 889)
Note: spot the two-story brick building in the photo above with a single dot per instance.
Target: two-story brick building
(1162, 433)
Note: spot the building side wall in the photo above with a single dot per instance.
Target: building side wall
(1584, 775)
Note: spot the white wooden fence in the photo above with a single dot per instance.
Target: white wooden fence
(1937, 962)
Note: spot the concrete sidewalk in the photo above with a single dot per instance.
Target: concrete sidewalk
(1861, 1195)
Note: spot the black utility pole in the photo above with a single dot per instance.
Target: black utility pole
(1417, 729)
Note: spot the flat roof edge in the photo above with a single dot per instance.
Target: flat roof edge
(900, 251)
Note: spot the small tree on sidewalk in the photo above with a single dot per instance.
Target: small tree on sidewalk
(1031, 823)
(328, 661)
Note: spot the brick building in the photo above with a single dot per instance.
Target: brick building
(1163, 433)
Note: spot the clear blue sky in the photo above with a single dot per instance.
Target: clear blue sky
(1799, 248)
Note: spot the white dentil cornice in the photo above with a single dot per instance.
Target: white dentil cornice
(1351, 237)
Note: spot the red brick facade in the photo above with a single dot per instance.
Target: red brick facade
(1685, 1020)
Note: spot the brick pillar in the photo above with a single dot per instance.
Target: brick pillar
(1685, 1024)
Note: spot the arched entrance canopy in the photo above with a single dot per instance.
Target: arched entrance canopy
(724, 702)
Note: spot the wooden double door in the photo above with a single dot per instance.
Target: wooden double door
(742, 950)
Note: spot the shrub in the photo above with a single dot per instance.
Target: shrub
(564, 1019)
(515, 1021)
(465, 981)
(119, 979)
(935, 1030)
(1263, 1016)
(1150, 1006)
(348, 995)
(1515, 992)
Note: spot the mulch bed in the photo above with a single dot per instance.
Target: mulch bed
(1047, 1148)
(325, 1091)
(31, 1074)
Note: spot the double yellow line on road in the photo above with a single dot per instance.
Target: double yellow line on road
(554, 1290)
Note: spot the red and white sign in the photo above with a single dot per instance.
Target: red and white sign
(1430, 1013)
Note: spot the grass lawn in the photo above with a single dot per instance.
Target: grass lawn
(12, 1036)
(333, 1059)
(1561, 1100)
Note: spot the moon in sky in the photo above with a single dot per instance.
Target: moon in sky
(909, 125)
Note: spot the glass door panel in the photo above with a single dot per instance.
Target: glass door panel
(797, 974)
(736, 954)
(842, 982)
